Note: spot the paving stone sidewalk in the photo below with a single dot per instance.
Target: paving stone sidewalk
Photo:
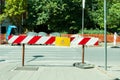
(112, 71)
(13, 71)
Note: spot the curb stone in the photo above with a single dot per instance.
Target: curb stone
(106, 73)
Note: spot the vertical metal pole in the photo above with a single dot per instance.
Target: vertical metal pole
(23, 54)
(1, 21)
(83, 3)
(83, 51)
(0, 34)
(82, 21)
(83, 47)
(105, 33)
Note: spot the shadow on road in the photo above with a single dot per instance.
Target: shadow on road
(35, 57)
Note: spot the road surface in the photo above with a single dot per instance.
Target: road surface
(51, 55)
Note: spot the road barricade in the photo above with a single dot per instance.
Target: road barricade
(51, 40)
(31, 39)
(62, 41)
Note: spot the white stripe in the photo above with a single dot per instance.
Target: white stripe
(92, 41)
(27, 39)
(12, 39)
(76, 40)
(42, 40)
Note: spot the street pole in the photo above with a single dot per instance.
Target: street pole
(23, 54)
(105, 33)
(83, 47)
(83, 54)
(0, 21)
(83, 6)
(0, 34)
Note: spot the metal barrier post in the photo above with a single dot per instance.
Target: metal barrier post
(83, 52)
(23, 54)
(30, 40)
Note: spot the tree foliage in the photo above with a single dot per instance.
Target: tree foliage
(63, 15)
(114, 17)
(58, 15)
(113, 14)
(13, 10)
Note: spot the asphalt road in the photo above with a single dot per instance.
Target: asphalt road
(51, 55)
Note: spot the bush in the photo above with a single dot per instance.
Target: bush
(92, 31)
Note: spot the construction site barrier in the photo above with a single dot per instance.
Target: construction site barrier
(51, 40)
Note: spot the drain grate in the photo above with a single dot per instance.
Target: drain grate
(27, 68)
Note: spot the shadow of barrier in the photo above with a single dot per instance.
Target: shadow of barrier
(51, 40)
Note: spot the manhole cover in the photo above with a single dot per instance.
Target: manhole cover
(28, 68)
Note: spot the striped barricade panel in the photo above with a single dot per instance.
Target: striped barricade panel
(31, 39)
(84, 41)
(50, 40)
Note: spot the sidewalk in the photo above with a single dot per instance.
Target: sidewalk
(112, 71)
(14, 71)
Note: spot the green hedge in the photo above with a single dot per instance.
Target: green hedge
(89, 31)
(92, 31)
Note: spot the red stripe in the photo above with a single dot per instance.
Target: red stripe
(9, 37)
(71, 39)
(96, 43)
(34, 39)
(50, 41)
(84, 41)
(19, 39)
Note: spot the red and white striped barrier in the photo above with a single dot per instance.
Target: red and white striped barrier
(84, 41)
(31, 40)
(50, 40)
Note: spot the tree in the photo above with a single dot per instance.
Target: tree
(1, 10)
(69, 17)
(66, 15)
(42, 11)
(14, 10)
(113, 14)
(58, 15)
(114, 17)
(96, 13)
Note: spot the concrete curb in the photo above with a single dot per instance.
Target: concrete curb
(106, 73)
